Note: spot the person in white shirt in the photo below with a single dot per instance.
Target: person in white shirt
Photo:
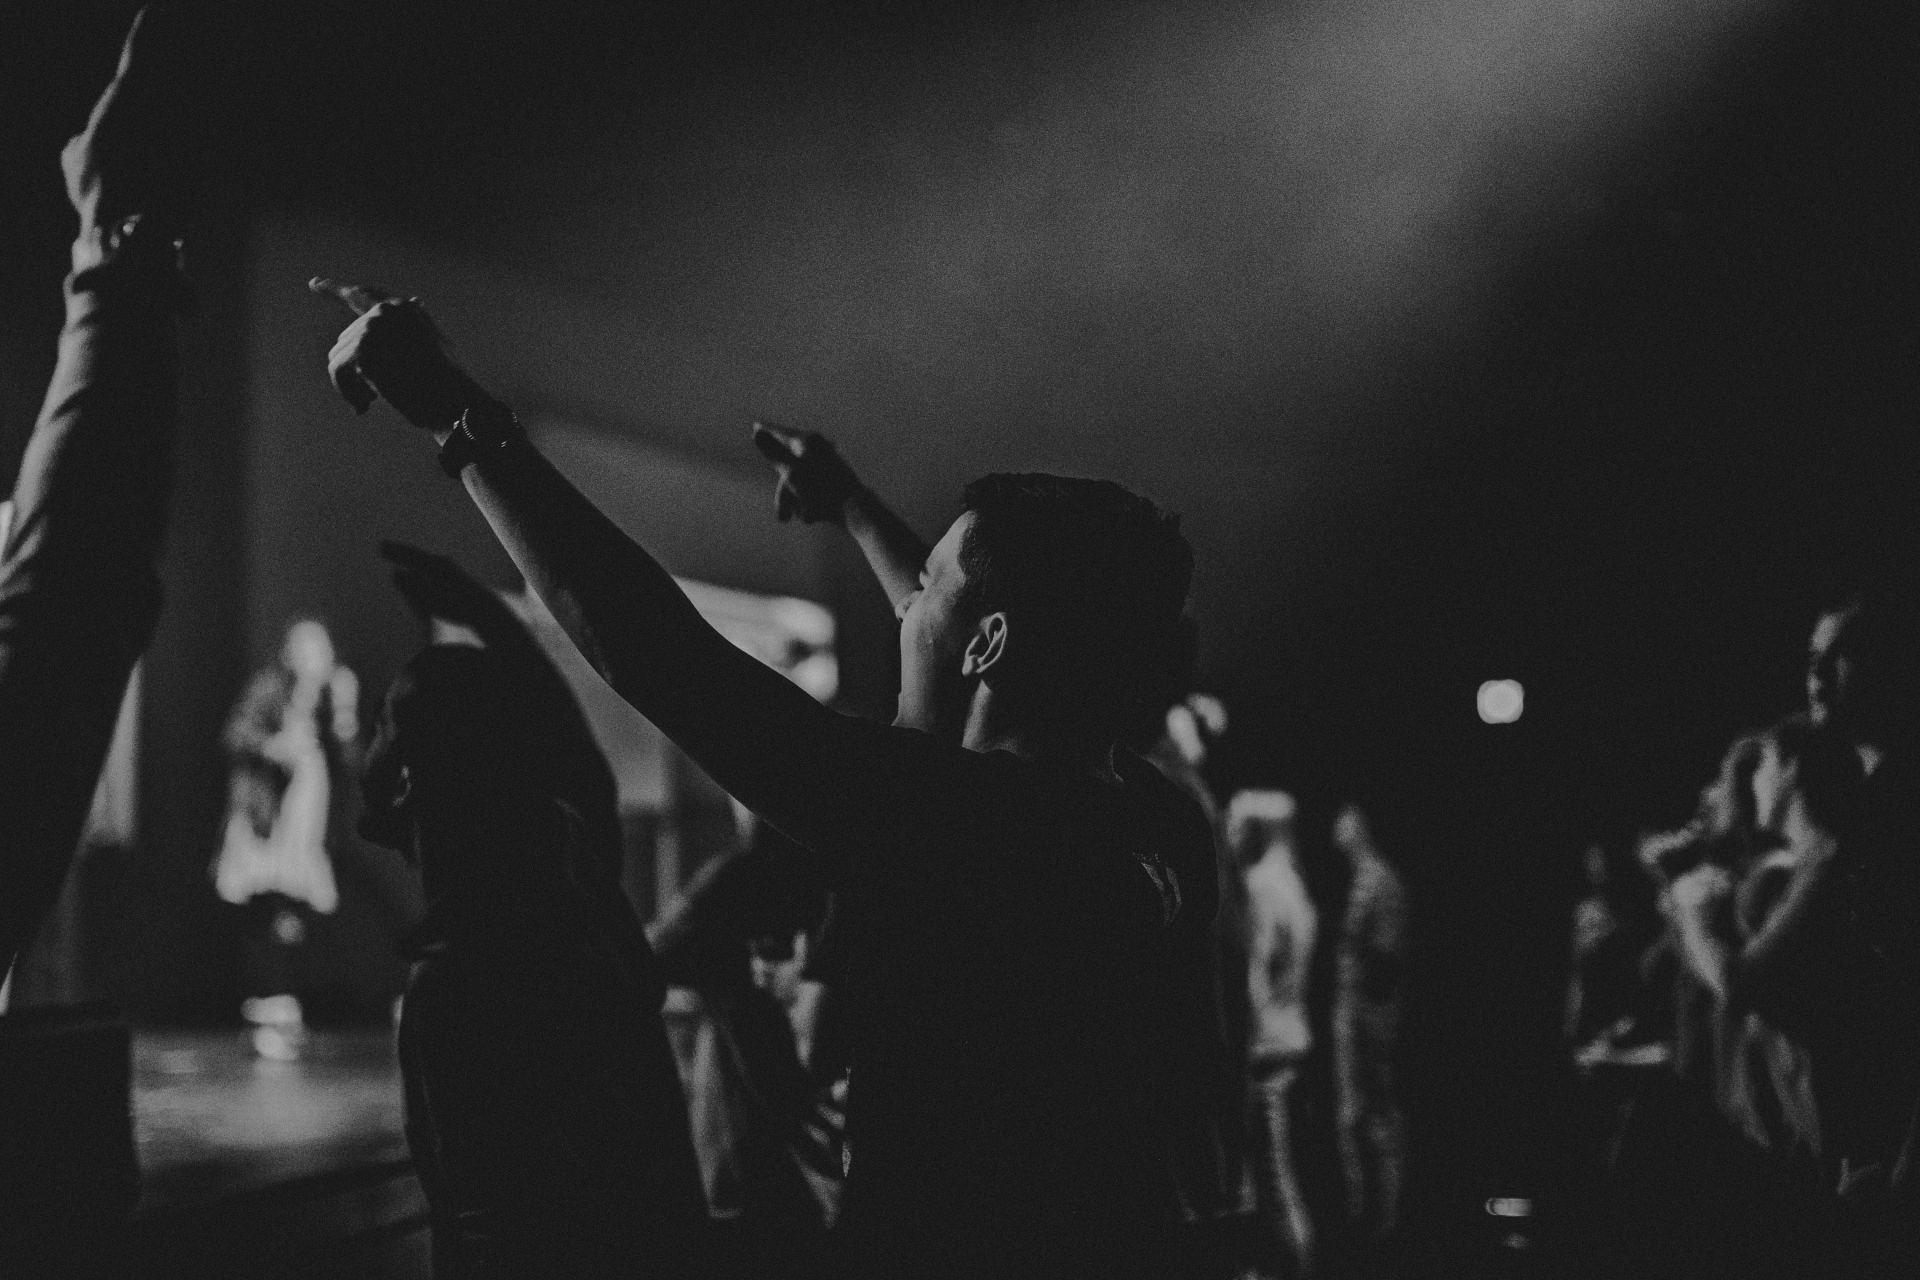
(1282, 926)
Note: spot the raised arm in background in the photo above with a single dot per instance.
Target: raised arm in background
(79, 578)
(815, 483)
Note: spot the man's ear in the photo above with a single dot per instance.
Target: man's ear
(986, 650)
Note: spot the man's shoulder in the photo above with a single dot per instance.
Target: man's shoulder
(1170, 806)
(907, 754)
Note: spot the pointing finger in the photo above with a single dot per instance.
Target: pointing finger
(361, 298)
(776, 443)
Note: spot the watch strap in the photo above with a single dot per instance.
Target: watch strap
(481, 430)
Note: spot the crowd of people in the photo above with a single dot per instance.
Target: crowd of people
(1000, 989)
(1051, 1107)
(1743, 1002)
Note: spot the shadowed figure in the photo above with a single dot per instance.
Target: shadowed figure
(543, 1109)
(1215, 1157)
(1366, 1030)
(79, 580)
(1815, 960)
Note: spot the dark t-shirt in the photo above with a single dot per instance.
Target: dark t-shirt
(1849, 989)
(543, 1108)
(1009, 936)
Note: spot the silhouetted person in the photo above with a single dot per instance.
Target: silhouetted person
(1834, 964)
(1282, 929)
(1614, 925)
(1366, 1029)
(543, 1109)
(1217, 1169)
(1006, 884)
(79, 580)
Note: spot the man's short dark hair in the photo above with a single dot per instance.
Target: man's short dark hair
(1094, 578)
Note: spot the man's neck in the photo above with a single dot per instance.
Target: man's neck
(990, 728)
(498, 842)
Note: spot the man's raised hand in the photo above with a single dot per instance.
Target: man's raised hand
(814, 481)
(394, 351)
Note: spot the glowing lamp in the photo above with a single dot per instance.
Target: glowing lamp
(1501, 701)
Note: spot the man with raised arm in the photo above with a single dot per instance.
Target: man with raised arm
(1006, 883)
(79, 579)
(815, 483)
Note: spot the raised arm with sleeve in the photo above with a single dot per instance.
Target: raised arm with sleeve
(817, 775)
(79, 579)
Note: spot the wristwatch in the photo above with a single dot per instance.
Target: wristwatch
(481, 430)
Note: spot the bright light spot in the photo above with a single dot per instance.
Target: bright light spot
(1510, 1207)
(1501, 701)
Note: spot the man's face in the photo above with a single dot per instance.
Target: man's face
(1828, 668)
(934, 631)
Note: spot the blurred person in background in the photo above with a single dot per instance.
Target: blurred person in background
(1223, 1195)
(1615, 924)
(294, 731)
(1834, 962)
(1369, 989)
(1281, 931)
(80, 596)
